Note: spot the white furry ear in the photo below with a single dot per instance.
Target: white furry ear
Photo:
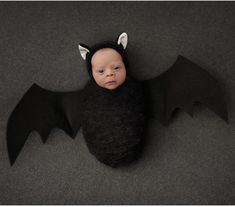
(123, 39)
(83, 51)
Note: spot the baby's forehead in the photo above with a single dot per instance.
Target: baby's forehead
(105, 55)
(106, 52)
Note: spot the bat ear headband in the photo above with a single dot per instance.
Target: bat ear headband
(122, 40)
(120, 46)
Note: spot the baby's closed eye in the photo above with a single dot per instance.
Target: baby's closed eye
(116, 67)
(100, 71)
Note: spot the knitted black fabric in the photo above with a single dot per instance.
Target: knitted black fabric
(114, 122)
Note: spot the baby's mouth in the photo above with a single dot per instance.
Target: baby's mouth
(111, 83)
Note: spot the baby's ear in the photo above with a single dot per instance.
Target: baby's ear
(83, 49)
(123, 39)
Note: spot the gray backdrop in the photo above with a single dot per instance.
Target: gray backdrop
(192, 161)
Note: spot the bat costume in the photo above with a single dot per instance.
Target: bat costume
(113, 121)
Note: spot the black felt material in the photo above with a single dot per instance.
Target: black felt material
(180, 87)
(42, 110)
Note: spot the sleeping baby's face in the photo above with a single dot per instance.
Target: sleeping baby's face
(108, 68)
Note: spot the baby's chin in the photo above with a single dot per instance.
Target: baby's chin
(112, 85)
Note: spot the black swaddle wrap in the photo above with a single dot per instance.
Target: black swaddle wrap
(114, 123)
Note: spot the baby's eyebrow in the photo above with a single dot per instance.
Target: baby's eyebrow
(99, 68)
(116, 63)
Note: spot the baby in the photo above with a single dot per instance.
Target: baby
(108, 69)
(113, 106)
(107, 62)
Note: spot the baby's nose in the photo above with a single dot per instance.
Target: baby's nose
(110, 73)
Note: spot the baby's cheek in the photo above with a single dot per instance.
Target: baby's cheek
(122, 76)
(97, 78)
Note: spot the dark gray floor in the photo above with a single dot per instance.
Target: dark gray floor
(192, 161)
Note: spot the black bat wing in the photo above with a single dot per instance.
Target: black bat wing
(42, 110)
(182, 85)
